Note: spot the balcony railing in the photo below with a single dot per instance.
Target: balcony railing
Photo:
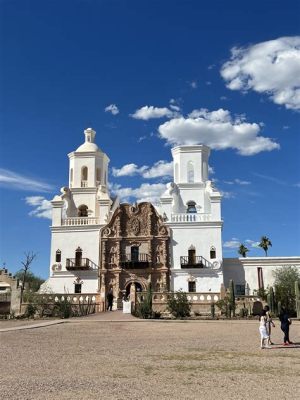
(190, 217)
(194, 262)
(75, 221)
(134, 261)
(84, 184)
(82, 264)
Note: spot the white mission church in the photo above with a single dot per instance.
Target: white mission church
(98, 244)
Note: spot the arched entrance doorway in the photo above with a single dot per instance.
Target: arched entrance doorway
(138, 287)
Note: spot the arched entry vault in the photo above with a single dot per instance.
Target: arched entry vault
(139, 286)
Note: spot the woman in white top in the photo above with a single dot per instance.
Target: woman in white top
(264, 337)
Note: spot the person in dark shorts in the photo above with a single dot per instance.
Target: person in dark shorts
(285, 326)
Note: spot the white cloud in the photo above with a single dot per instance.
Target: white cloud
(271, 67)
(112, 108)
(252, 243)
(150, 112)
(128, 170)
(16, 181)
(146, 192)
(297, 185)
(193, 84)
(217, 129)
(160, 168)
(234, 243)
(43, 207)
(237, 182)
(227, 195)
(223, 98)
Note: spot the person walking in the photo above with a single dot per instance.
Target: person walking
(263, 331)
(110, 298)
(285, 326)
(269, 323)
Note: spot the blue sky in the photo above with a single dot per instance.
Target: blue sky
(222, 73)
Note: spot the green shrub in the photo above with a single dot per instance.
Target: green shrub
(178, 305)
(30, 310)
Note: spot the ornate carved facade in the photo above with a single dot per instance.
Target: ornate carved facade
(134, 251)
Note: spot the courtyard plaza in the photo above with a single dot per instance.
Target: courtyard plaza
(115, 356)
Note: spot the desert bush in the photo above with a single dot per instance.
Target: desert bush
(178, 304)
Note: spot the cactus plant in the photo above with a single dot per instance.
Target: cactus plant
(278, 307)
(297, 295)
(212, 310)
(271, 301)
(231, 298)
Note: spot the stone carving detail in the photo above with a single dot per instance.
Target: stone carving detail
(134, 226)
(56, 267)
(139, 226)
(106, 232)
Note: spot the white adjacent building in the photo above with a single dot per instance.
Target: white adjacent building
(190, 208)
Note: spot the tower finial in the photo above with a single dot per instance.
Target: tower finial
(89, 135)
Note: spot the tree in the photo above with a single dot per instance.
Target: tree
(33, 281)
(284, 284)
(29, 258)
(243, 250)
(265, 243)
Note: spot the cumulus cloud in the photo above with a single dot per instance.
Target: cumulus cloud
(271, 67)
(160, 168)
(14, 180)
(112, 108)
(146, 192)
(218, 130)
(42, 207)
(128, 170)
(150, 112)
(234, 243)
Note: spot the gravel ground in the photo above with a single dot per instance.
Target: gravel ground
(92, 359)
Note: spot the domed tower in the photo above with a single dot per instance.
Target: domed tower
(191, 207)
(78, 214)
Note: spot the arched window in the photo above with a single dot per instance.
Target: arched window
(71, 176)
(58, 256)
(176, 172)
(191, 207)
(83, 211)
(78, 257)
(190, 172)
(84, 173)
(98, 174)
(212, 252)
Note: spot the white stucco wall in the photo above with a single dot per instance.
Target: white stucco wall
(207, 280)
(244, 270)
(63, 282)
(68, 239)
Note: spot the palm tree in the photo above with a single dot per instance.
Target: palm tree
(243, 250)
(265, 243)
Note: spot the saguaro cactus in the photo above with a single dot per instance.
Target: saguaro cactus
(271, 300)
(297, 295)
(212, 310)
(231, 298)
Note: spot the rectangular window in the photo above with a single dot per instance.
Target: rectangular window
(134, 253)
(240, 290)
(192, 287)
(77, 288)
